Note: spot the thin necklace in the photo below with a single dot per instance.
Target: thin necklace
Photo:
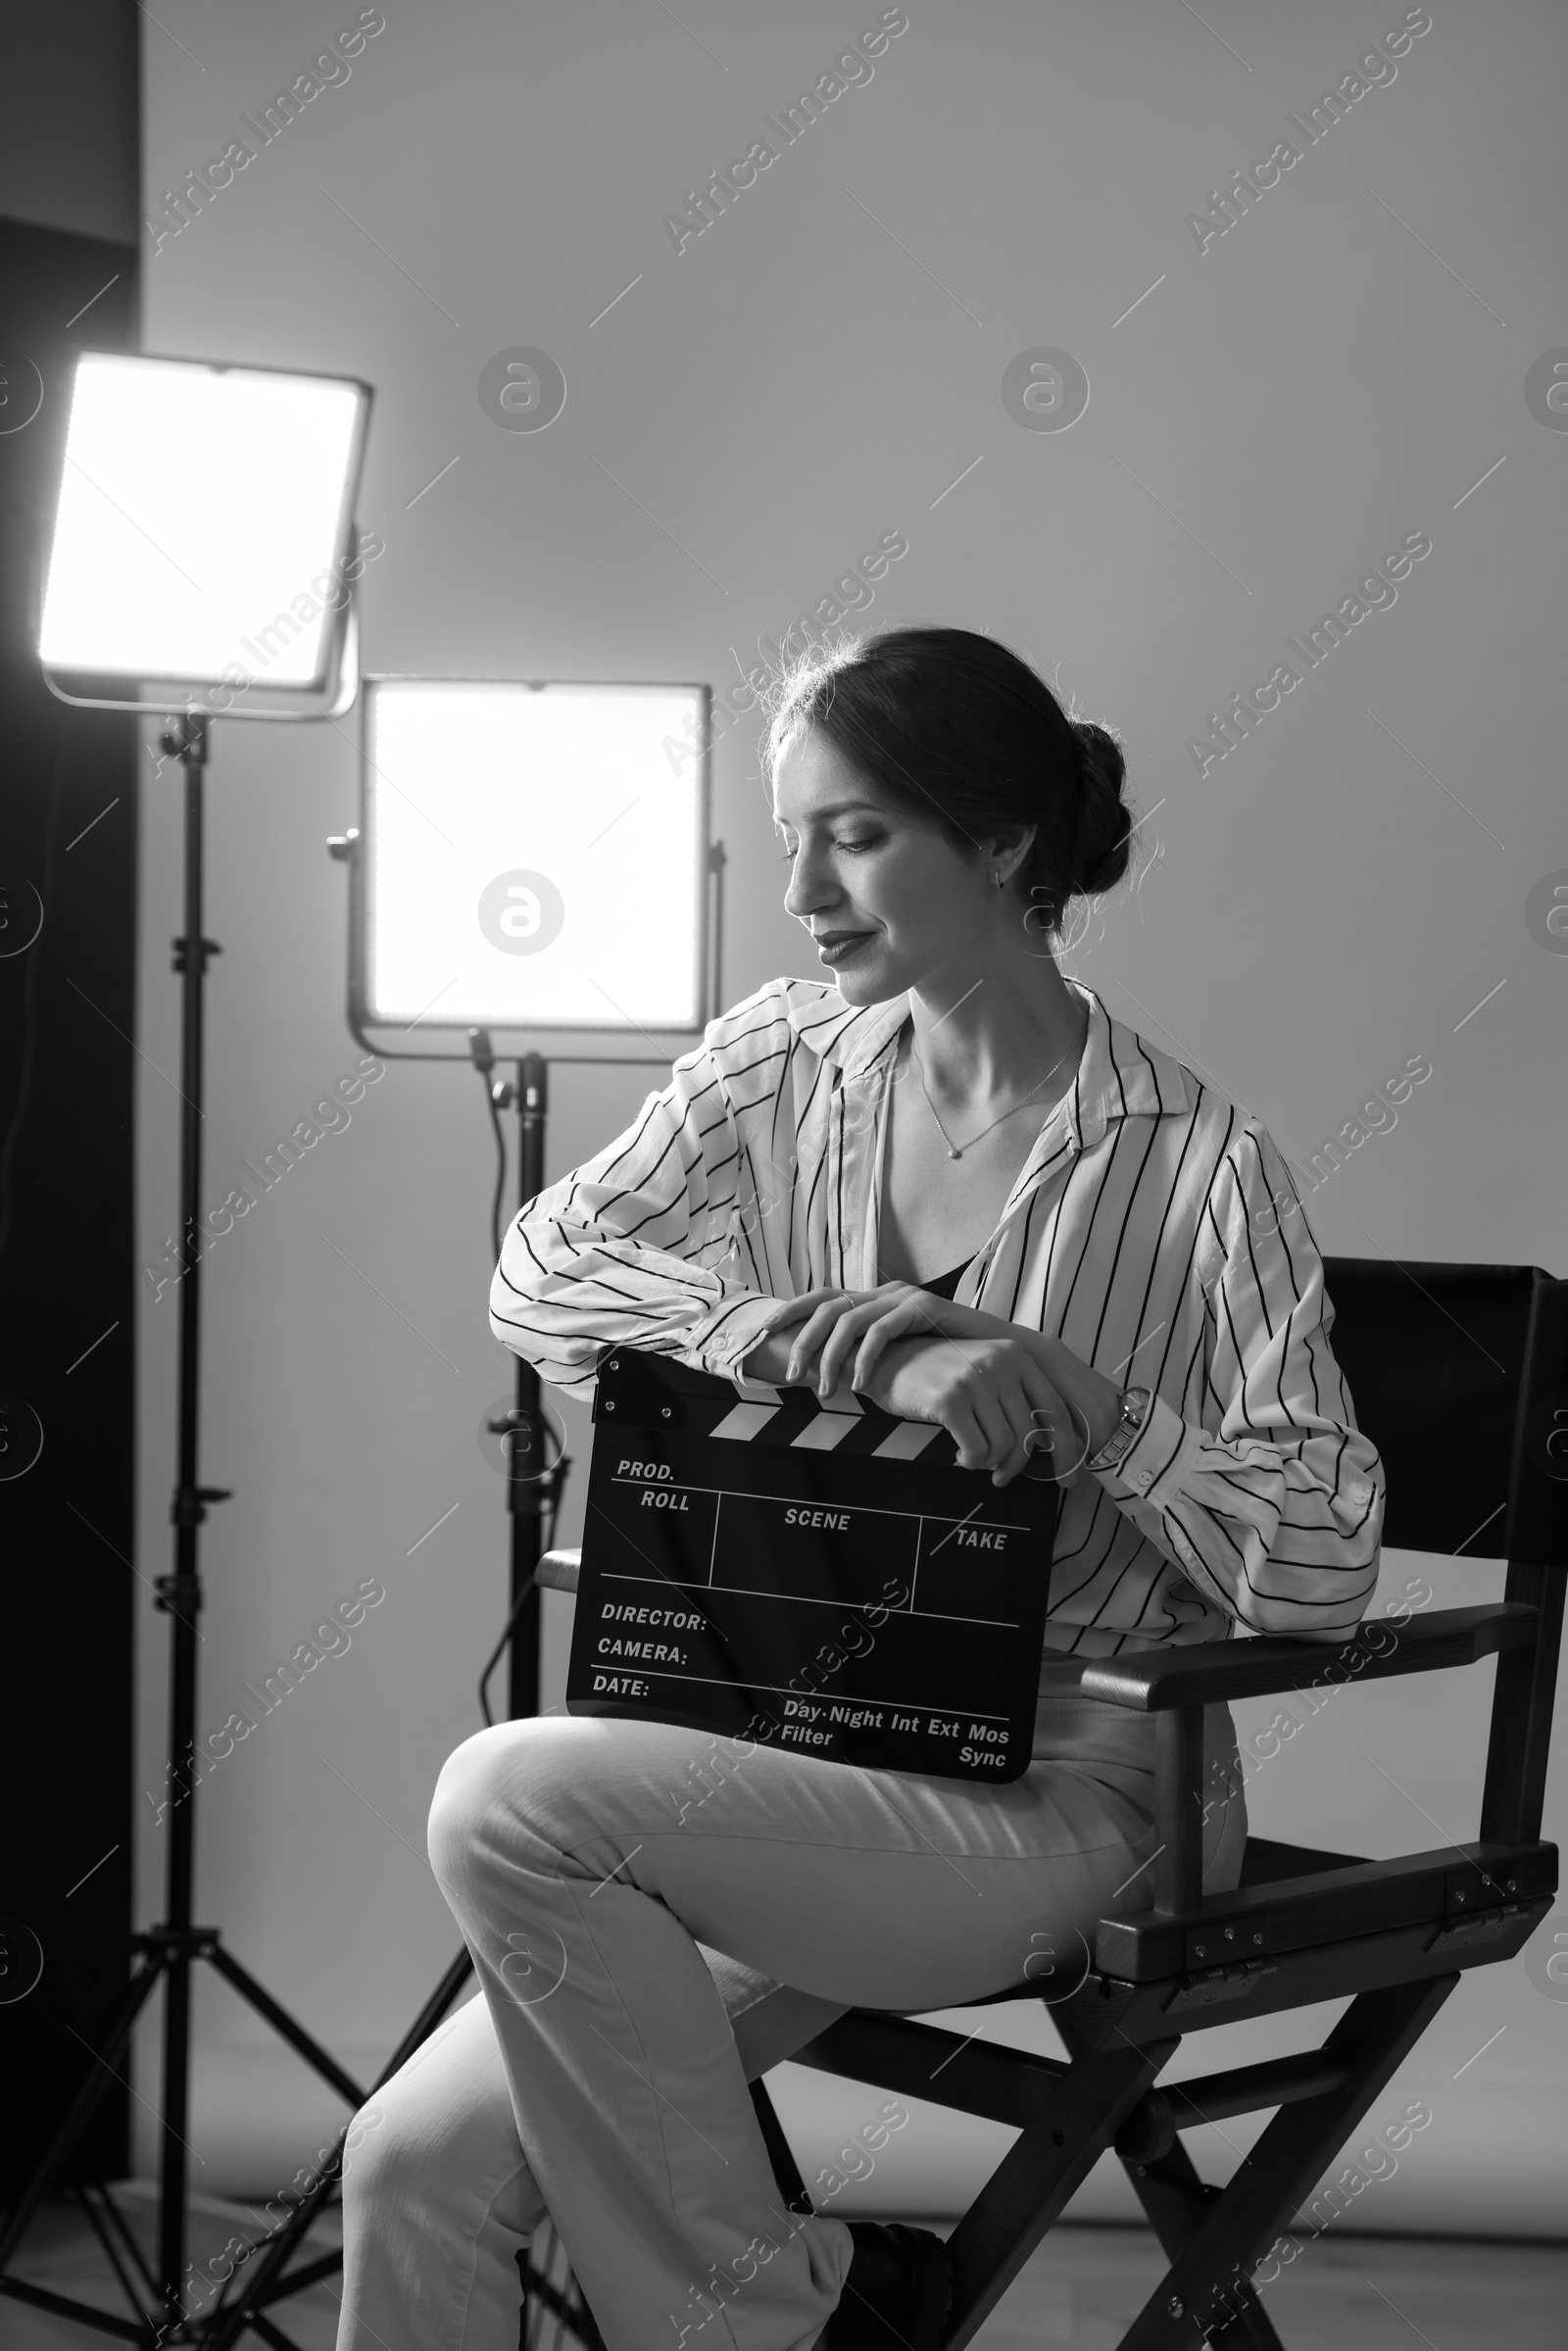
(957, 1150)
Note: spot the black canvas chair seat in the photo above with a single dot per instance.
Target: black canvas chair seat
(1459, 1374)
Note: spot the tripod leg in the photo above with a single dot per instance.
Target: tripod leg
(283, 2024)
(80, 2110)
(780, 2154)
(252, 2294)
(270, 2284)
(97, 2209)
(429, 2016)
(114, 2219)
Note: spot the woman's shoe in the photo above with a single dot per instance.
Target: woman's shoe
(897, 2291)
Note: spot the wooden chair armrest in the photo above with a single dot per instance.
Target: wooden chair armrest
(1155, 1681)
(1175, 1684)
(1325, 1908)
(559, 1570)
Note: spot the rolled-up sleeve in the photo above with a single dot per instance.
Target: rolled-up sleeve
(1260, 1486)
(611, 1253)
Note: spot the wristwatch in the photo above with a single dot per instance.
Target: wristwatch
(1135, 1404)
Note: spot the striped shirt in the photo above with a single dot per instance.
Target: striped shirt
(1154, 1228)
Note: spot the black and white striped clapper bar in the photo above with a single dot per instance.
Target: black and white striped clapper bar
(822, 1577)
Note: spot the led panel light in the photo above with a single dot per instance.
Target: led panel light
(533, 856)
(203, 521)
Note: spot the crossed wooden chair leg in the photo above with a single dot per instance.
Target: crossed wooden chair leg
(1067, 2116)
(1215, 2240)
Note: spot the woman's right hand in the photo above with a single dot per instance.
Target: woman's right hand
(990, 1395)
(770, 1358)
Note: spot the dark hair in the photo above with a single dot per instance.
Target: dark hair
(956, 727)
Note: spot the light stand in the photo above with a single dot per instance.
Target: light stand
(529, 1491)
(534, 1484)
(164, 1952)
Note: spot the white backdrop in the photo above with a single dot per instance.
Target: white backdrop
(1270, 410)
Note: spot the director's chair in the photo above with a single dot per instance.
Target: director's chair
(1459, 1374)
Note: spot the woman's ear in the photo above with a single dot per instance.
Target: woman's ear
(1007, 849)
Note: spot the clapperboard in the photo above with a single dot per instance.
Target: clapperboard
(820, 1576)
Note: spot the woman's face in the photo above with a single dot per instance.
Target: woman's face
(894, 902)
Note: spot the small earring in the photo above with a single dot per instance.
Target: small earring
(997, 878)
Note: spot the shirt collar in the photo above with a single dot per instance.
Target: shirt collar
(1119, 1076)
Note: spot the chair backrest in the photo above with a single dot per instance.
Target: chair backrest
(1435, 1359)
(1459, 1374)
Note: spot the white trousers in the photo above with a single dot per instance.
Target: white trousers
(657, 1917)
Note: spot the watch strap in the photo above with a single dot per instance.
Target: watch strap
(1135, 1409)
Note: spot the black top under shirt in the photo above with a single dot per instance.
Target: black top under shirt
(945, 1285)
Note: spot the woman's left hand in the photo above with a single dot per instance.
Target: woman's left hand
(862, 1322)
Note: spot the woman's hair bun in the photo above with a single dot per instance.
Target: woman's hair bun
(1102, 834)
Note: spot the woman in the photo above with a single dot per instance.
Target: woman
(1054, 1232)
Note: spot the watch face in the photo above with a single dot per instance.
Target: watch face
(1135, 1405)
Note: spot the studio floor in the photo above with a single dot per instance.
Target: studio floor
(1084, 2286)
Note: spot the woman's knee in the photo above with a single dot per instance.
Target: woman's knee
(504, 1775)
(443, 2123)
(409, 2162)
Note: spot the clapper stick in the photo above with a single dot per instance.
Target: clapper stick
(821, 1577)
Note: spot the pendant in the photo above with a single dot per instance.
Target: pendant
(952, 1155)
